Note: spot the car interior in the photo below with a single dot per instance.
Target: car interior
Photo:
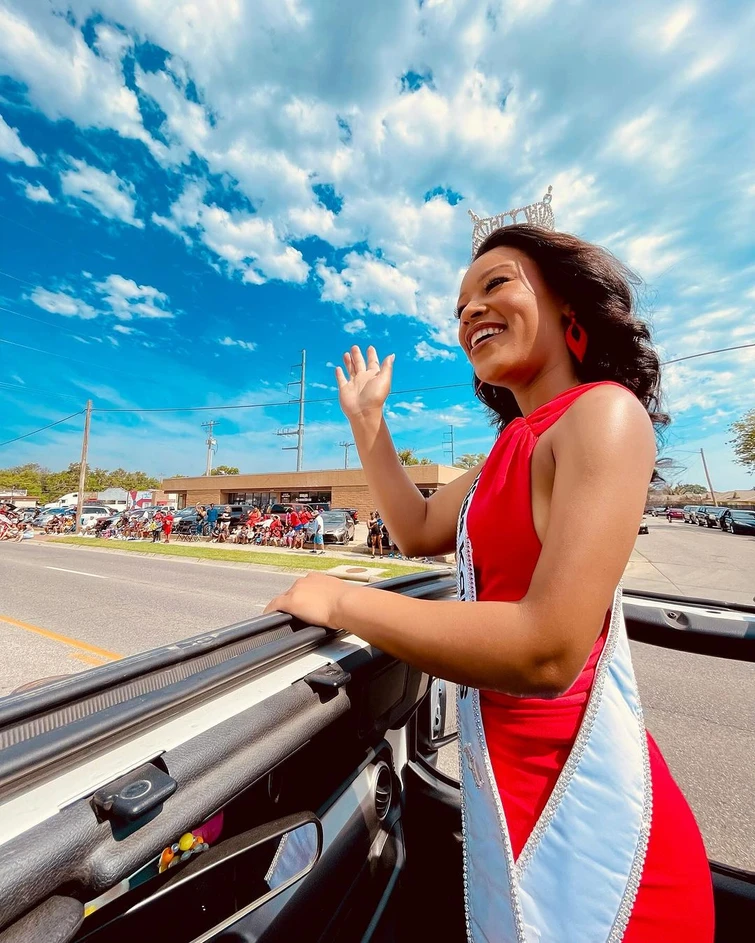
(269, 781)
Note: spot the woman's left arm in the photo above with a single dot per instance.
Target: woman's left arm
(604, 454)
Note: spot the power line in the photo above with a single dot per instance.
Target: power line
(416, 389)
(55, 327)
(33, 389)
(36, 431)
(287, 402)
(705, 353)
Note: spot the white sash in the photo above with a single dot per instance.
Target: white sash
(578, 874)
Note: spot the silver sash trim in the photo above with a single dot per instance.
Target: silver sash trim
(578, 875)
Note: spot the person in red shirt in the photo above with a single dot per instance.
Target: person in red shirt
(295, 520)
(167, 525)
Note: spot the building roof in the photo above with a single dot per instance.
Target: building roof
(422, 475)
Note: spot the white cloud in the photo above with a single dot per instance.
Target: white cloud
(38, 193)
(367, 283)
(653, 139)
(705, 64)
(13, 149)
(675, 25)
(113, 197)
(354, 327)
(247, 242)
(652, 255)
(65, 78)
(128, 300)
(424, 351)
(122, 329)
(58, 302)
(244, 345)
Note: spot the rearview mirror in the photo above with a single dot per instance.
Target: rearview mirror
(208, 893)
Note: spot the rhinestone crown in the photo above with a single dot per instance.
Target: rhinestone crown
(536, 214)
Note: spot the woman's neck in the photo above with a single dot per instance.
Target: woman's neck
(545, 387)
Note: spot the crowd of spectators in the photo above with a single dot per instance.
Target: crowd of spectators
(261, 528)
(129, 525)
(12, 525)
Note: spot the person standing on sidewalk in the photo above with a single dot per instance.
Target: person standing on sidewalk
(201, 519)
(318, 540)
(212, 516)
(167, 525)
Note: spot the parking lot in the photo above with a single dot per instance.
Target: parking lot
(65, 609)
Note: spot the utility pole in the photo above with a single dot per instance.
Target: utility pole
(346, 446)
(710, 486)
(83, 467)
(299, 431)
(211, 443)
(448, 442)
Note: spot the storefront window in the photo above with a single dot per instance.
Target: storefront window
(260, 498)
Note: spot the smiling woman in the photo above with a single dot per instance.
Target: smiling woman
(553, 743)
(527, 268)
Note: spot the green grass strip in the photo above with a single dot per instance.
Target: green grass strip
(295, 560)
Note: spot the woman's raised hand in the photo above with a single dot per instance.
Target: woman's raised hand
(364, 387)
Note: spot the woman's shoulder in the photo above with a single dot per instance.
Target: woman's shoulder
(607, 400)
(604, 417)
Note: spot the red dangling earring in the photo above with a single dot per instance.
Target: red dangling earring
(576, 338)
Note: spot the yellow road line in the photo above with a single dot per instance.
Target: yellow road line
(63, 639)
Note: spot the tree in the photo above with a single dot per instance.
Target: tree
(470, 460)
(744, 440)
(49, 485)
(407, 457)
(689, 489)
(225, 470)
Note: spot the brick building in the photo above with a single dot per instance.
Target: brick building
(342, 488)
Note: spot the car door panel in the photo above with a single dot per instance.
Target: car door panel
(267, 726)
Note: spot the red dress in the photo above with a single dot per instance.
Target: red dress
(529, 739)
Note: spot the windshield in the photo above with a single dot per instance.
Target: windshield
(205, 213)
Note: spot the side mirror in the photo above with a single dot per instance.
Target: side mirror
(443, 729)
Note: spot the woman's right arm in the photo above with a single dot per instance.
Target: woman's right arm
(419, 526)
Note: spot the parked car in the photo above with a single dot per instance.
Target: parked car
(713, 516)
(91, 513)
(697, 514)
(687, 510)
(734, 521)
(353, 511)
(338, 527)
(708, 515)
(46, 516)
(675, 514)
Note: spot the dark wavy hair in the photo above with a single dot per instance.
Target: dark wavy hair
(601, 290)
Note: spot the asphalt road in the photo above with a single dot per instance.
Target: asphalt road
(71, 608)
(105, 605)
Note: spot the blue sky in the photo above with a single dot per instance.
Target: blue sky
(188, 199)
